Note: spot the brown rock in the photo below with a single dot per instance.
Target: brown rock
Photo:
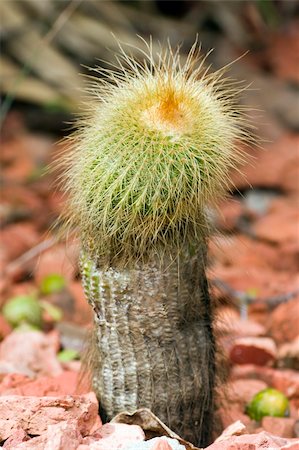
(253, 350)
(16, 438)
(280, 426)
(62, 436)
(35, 414)
(29, 353)
(284, 321)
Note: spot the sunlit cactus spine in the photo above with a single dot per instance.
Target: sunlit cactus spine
(152, 152)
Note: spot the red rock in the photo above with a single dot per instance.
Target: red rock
(250, 442)
(235, 429)
(290, 446)
(229, 214)
(253, 350)
(239, 250)
(266, 282)
(58, 259)
(62, 436)
(5, 328)
(288, 354)
(284, 43)
(161, 444)
(280, 426)
(35, 414)
(15, 439)
(286, 381)
(113, 436)
(276, 158)
(228, 321)
(83, 311)
(11, 381)
(242, 391)
(284, 321)
(29, 353)
(21, 200)
(16, 239)
(231, 413)
(67, 383)
(279, 225)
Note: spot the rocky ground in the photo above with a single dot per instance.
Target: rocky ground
(253, 273)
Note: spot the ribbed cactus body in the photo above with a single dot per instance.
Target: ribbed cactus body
(155, 345)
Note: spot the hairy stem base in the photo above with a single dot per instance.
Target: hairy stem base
(155, 343)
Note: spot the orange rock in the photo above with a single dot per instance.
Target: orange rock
(280, 426)
(253, 350)
(284, 321)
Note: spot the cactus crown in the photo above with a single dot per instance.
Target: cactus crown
(154, 148)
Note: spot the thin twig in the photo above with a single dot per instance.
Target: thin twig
(248, 299)
(13, 266)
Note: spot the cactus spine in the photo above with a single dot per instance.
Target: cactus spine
(153, 150)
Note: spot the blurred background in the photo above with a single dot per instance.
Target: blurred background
(46, 46)
(47, 43)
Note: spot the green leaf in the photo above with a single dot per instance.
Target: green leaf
(52, 283)
(68, 354)
(54, 312)
(23, 308)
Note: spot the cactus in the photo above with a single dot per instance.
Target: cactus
(151, 154)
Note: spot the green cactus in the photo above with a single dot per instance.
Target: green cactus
(152, 152)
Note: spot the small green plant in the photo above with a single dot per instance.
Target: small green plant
(268, 402)
(52, 283)
(23, 309)
(68, 354)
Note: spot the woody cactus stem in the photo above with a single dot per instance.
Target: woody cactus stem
(155, 341)
(152, 152)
